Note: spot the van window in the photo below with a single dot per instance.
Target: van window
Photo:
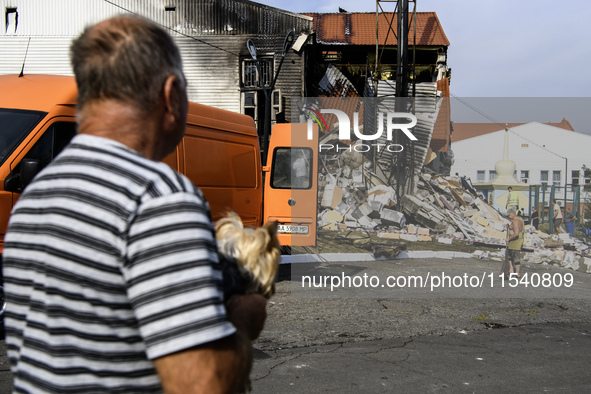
(53, 141)
(292, 168)
(15, 125)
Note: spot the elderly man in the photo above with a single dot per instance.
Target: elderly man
(515, 241)
(111, 270)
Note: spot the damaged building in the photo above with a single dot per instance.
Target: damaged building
(347, 59)
(332, 54)
(211, 35)
(382, 189)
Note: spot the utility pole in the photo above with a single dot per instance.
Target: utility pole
(268, 90)
(402, 52)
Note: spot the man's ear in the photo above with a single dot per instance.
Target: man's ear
(172, 100)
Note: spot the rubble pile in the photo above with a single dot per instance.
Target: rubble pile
(353, 197)
(561, 250)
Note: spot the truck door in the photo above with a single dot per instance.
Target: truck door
(291, 183)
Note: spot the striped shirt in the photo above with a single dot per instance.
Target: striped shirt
(110, 261)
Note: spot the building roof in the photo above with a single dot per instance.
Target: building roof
(360, 29)
(531, 146)
(462, 131)
(441, 132)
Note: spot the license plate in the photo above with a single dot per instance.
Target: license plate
(292, 229)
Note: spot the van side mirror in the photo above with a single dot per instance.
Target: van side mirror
(17, 180)
(29, 168)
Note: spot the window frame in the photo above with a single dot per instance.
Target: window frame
(266, 67)
(492, 174)
(480, 179)
(274, 168)
(554, 181)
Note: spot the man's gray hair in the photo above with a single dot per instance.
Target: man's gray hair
(511, 210)
(128, 58)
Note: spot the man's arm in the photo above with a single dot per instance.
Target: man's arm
(191, 339)
(516, 225)
(221, 366)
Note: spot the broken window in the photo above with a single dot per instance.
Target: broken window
(11, 19)
(276, 101)
(249, 105)
(292, 168)
(524, 176)
(253, 77)
(332, 56)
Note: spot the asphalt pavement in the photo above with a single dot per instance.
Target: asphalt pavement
(374, 339)
(397, 332)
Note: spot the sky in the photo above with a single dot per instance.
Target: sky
(504, 48)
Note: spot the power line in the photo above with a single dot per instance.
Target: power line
(174, 30)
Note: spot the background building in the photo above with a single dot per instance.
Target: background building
(544, 155)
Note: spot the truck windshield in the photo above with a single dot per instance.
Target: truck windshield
(14, 127)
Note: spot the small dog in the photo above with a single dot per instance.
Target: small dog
(249, 257)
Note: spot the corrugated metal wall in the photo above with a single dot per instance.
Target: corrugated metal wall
(291, 81)
(45, 55)
(211, 34)
(213, 74)
(192, 17)
(56, 18)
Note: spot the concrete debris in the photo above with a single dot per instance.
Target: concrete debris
(355, 196)
(365, 199)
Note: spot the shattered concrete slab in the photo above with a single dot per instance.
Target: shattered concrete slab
(356, 195)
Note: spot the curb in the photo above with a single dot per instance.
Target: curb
(349, 257)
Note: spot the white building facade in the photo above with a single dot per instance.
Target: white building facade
(543, 154)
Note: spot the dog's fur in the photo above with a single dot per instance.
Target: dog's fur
(250, 260)
(251, 256)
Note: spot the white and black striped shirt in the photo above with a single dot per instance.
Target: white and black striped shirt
(109, 262)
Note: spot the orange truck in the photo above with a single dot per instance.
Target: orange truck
(219, 153)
